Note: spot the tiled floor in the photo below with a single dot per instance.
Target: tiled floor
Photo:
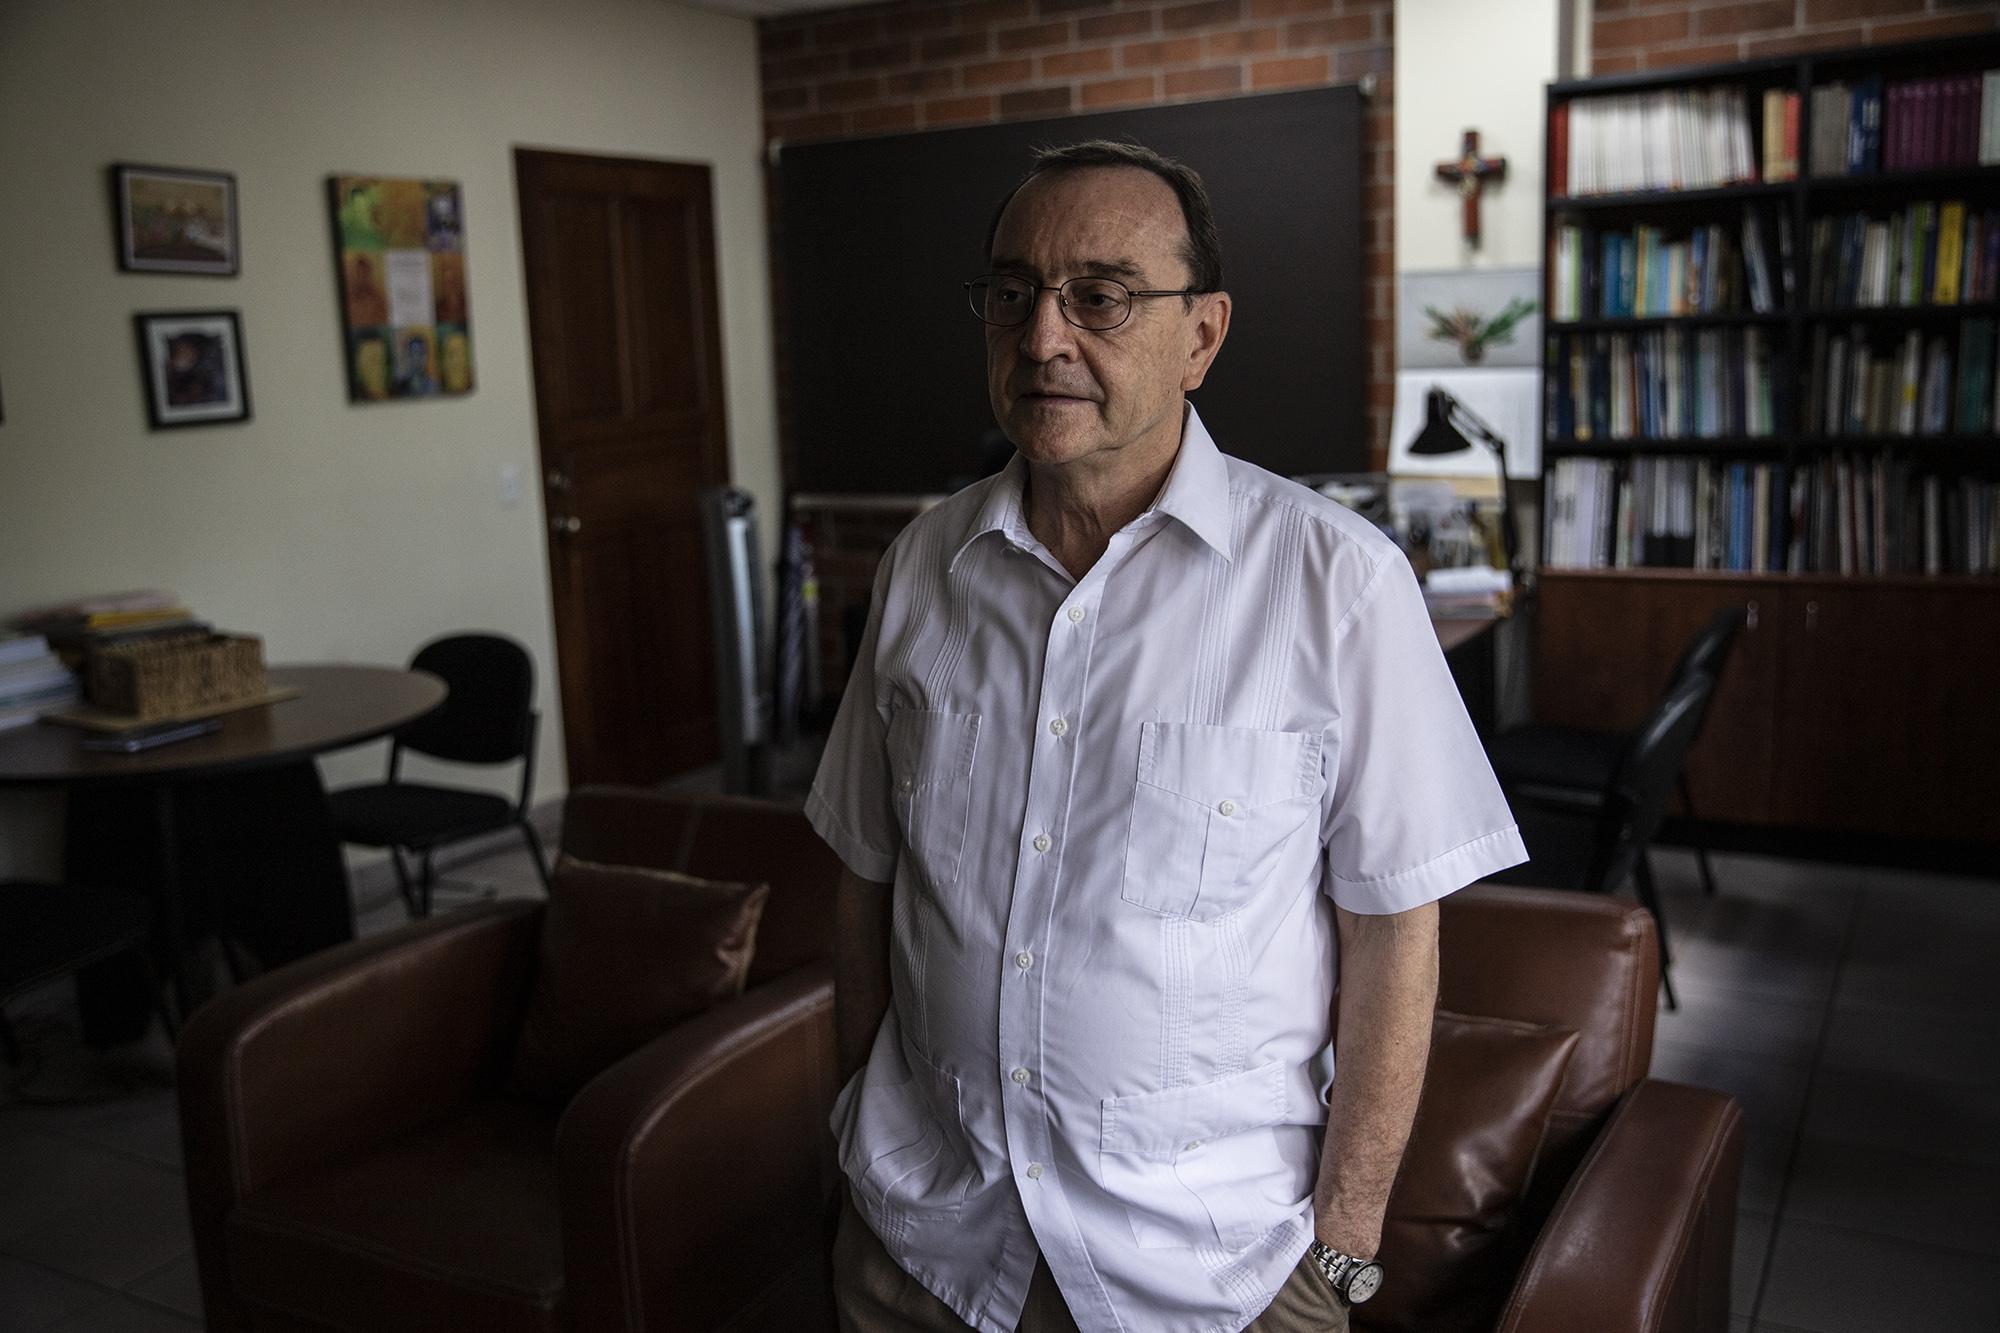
(1854, 1012)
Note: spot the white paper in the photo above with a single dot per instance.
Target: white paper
(1506, 400)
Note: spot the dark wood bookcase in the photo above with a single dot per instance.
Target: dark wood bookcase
(1861, 702)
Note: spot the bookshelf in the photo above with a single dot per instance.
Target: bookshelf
(1776, 388)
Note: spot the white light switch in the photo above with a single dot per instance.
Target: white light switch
(510, 485)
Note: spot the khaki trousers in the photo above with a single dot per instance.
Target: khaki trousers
(874, 1295)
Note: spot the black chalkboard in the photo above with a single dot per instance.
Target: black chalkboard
(885, 363)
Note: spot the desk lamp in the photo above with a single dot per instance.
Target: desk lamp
(1447, 422)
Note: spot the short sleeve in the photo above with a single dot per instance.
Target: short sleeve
(849, 805)
(1412, 810)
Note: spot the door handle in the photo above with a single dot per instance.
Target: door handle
(1812, 616)
(566, 525)
(1750, 618)
(557, 479)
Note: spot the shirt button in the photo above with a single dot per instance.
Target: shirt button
(1192, 1145)
(1019, 1076)
(1059, 726)
(1024, 960)
(1227, 807)
(1043, 842)
(1075, 614)
(1034, 1170)
(906, 785)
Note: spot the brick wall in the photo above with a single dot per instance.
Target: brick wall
(929, 64)
(1629, 35)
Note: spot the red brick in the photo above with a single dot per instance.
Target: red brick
(846, 92)
(1612, 6)
(786, 69)
(1240, 42)
(1119, 92)
(1294, 72)
(958, 110)
(1825, 39)
(876, 119)
(1178, 51)
(1356, 61)
(957, 46)
(1114, 25)
(1705, 53)
(1331, 32)
(846, 31)
(920, 81)
(985, 13)
(778, 41)
(997, 72)
(826, 124)
(1033, 102)
(1938, 25)
(1027, 39)
(1758, 16)
(1198, 82)
(1205, 14)
(1847, 11)
(1097, 60)
(786, 99)
(1622, 62)
(1642, 30)
(881, 56)
(1068, 6)
(1274, 9)
(925, 18)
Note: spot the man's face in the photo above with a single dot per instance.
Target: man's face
(1063, 393)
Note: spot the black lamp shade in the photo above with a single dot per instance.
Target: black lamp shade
(1438, 436)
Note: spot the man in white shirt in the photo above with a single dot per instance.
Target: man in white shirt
(1144, 747)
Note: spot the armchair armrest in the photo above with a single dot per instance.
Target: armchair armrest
(1641, 1239)
(694, 1172)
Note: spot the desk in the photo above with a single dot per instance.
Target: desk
(226, 831)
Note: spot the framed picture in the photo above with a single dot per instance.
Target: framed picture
(172, 220)
(1454, 319)
(192, 364)
(399, 246)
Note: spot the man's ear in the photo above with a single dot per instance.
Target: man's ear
(1211, 326)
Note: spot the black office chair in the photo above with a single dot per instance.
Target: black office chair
(49, 931)
(1570, 767)
(1597, 852)
(487, 718)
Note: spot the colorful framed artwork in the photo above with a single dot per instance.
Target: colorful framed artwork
(172, 220)
(192, 365)
(400, 248)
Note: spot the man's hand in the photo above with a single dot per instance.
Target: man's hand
(1388, 990)
(860, 967)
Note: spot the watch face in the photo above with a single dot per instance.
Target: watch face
(1367, 1280)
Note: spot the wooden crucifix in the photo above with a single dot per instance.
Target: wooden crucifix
(1470, 173)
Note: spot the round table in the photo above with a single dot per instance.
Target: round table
(237, 818)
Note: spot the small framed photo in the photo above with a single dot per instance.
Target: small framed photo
(172, 220)
(192, 361)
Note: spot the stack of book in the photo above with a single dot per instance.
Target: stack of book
(1674, 139)
(1926, 254)
(74, 628)
(1867, 514)
(1675, 383)
(1923, 386)
(33, 680)
(1906, 125)
(1711, 269)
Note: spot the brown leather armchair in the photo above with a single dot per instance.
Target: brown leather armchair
(1630, 1218)
(351, 1163)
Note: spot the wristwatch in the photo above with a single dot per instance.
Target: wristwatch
(1353, 1280)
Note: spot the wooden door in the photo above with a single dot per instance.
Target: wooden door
(1889, 714)
(1604, 644)
(620, 260)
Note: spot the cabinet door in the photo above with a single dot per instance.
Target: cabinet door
(1889, 710)
(1604, 646)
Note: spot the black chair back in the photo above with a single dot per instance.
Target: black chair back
(1708, 650)
(488, 718)
(1637, 801)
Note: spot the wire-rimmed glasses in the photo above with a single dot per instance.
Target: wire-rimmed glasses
(1096, 304)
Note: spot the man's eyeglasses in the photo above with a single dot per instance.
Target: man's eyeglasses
(1096, 304)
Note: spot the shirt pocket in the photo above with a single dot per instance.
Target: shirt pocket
(1212, 813)
(908, 1149)
(931, 756)
(1200, 1165)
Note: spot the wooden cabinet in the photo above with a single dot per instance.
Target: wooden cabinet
(1867, 706)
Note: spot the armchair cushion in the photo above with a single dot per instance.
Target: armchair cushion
(626, 953)
(1488, 1091)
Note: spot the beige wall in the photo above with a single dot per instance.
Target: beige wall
(343, 533)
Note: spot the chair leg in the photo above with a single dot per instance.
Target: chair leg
(403, 885)
(1700, 839)
(534, 841)
(426, 879)
(1642, 871)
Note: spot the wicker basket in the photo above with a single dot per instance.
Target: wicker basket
(157, 678)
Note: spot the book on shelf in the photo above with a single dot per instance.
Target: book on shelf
(1923, 124)
(1671, 139)
(1925, 253)
(1648, 271)
(1670, 383)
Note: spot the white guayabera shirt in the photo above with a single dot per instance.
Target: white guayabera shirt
(1114, 810)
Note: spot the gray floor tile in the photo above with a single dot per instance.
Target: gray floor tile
(31, 1296)
(122, 1314)
(1915, 1044)
(49, 1177)
(1772, 1091)
(1753, 1241)
(177, 1287)
(143, 1124)
(118, 1239)
(1813, 1284)
(1921, 953)
(1906, 1114)
(1764, 946)
(1740, 1022)
(1910, 1197)
(1766, 1157)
